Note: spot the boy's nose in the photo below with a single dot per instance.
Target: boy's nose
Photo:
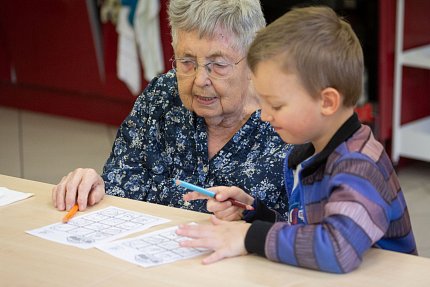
(266, 117)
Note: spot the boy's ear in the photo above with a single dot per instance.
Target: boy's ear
(249, 74)
(331, 101)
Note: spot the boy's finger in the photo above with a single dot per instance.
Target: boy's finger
(217, 206)
(194, 196)
(216, 221)
(198, 243)
(192, 231)
(214, 257)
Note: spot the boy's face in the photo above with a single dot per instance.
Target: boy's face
(286, 104)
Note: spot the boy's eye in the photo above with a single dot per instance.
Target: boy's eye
(276, 108)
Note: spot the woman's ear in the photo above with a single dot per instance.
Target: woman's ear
(331, 101)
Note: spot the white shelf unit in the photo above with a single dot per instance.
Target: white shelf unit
(410, 140)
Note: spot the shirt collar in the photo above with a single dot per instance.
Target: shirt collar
(304, 151)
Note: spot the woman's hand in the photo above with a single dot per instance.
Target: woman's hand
(83, 186)
(226, 239)
(220, 206)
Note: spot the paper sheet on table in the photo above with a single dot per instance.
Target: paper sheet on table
(155, 248)
(98, 226)
(8, 196)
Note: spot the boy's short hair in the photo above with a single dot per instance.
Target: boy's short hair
(318, 45)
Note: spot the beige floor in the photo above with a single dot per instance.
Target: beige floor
(44, 148)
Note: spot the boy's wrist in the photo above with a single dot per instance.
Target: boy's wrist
(255, 239)
(260, 212)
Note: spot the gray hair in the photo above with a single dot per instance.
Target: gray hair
(242, 18)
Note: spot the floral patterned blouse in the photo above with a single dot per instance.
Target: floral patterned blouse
(161, 140)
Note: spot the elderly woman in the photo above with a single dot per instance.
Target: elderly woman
(199, 122)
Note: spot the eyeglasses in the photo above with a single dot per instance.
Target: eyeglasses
(218, 70)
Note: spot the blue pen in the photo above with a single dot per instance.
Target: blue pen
(210, 193)
(194, 187)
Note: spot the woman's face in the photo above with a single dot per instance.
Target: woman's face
(213, 99)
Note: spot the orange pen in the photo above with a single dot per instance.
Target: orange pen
(71, 213)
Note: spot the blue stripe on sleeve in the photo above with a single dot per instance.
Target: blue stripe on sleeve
(400, 244)
(398, 207)
(324, 252)
(286, 243)
(363, 187)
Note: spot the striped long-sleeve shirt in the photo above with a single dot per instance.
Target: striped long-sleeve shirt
(350, 199)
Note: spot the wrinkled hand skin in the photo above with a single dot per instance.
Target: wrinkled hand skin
(83, 186)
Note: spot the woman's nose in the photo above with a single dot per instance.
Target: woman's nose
(202, 76)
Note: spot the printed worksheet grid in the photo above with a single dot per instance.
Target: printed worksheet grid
(98, 226)
(155, 248)
(102, 224)
(163, 247)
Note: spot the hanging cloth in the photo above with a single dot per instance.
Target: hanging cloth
(139, 41)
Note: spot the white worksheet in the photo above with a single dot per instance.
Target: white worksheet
(99, 226)
(8, 196)
(155, 248)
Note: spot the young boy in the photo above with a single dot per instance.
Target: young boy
(344, 195)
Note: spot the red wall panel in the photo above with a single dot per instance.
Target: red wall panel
(50, 43)
(416, 82)
(51, 46)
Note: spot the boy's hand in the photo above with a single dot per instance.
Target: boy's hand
(226, 239)
(220, 206)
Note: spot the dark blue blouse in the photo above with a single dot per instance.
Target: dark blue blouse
(161, 140)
